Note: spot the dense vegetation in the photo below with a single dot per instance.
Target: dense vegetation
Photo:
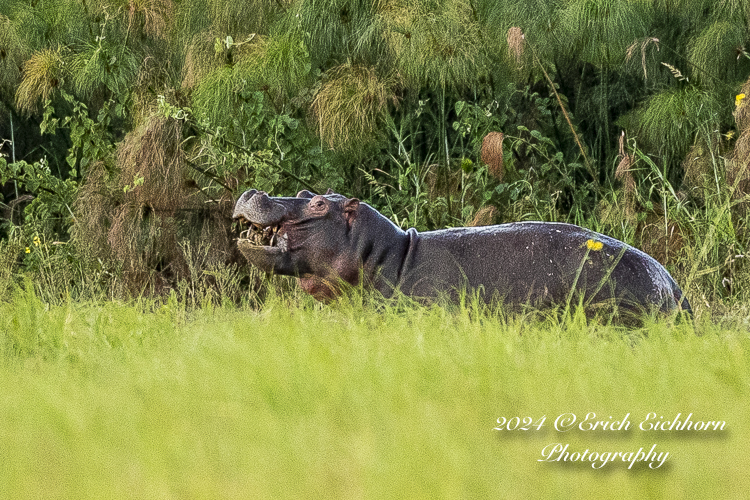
(136, 123)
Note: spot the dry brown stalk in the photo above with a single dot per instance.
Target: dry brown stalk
(516, 42)
(738, 162)
(643, 45)
(492, 153)
(153, 15)
(742, 110)
(93, 210)
(738, 173)
(484, 217)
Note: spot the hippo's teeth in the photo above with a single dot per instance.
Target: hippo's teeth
(260, 235)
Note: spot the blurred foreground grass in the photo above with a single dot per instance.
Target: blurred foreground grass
(149, 400)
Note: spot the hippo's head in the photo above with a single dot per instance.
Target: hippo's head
(294, 236)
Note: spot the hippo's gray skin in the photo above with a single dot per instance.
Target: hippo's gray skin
(327, 239)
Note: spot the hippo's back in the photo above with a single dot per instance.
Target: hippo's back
(535, 262)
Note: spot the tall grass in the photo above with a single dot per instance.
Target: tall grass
(358, 400)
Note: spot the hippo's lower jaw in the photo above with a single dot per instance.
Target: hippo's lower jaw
(266, 258)
(266, 237)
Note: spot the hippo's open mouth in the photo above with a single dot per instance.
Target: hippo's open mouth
(268, 236)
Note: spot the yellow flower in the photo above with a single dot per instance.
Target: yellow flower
(738, 100)
(28, 250)
(37, 241)
(594, 245)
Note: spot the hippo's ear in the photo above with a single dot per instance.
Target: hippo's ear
(305, 194)
(350, 210)
(330, 191)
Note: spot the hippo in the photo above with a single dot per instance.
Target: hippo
(329, 240)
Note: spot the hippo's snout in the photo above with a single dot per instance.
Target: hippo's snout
(264, 216)
(245, 204)
(258, 208)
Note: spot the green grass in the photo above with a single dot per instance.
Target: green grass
(148, 400)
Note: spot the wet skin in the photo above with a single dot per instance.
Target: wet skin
(325, 240)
